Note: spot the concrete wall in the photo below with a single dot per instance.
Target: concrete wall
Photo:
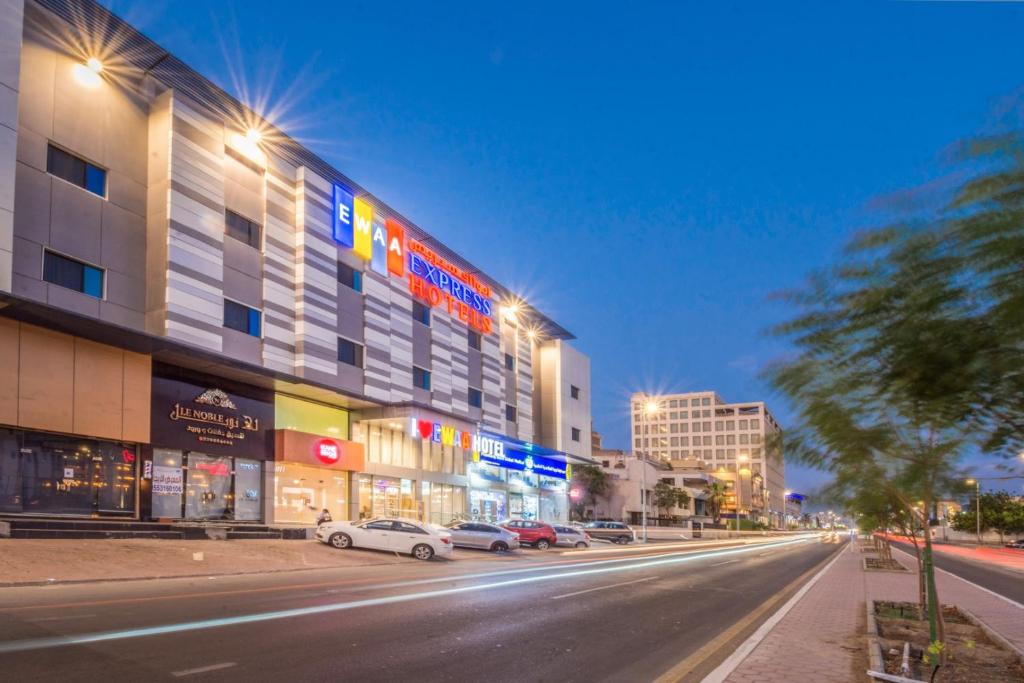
(108, 126)
(11, 16)
(59, 383)
(559, 368)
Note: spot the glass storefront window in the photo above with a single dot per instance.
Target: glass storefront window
(310, 417)
(248, 502)
(386, 497)
(388, 446)
(209, 487)
(168, 484)
(54, 474)
(302, 491)
(442, 503)
(523, 506)
(487, 505)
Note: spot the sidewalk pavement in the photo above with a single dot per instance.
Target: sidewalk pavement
(27, 561)
(822, 637)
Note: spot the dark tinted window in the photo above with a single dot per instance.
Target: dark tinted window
(242, 229)
(510, 362)
(241, 318)
(575, 434)
(380, 525)
(574, 391)
(349, 352)
(67, 166)
(60, 270)
(421, 313)
(421, 378)
(408, 528)
(476, 398)
(350, 277)
(474, 340)
(510, 413)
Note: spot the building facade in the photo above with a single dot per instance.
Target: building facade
(737, 442)
(200, 319)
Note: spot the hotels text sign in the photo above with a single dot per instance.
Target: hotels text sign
(431, 278)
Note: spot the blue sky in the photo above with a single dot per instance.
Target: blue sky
(645, 173)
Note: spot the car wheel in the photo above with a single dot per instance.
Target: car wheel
(580, 545)
(622, 539)
(543, 544)
(499, 547)
(423, 552)
(341, 541)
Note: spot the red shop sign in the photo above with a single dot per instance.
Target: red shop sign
(327, 451)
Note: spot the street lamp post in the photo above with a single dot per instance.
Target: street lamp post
(977, 508)
(649, 406)
(740, 459)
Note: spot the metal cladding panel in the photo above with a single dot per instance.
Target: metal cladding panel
(493, 414)
(460, 369)
(195, 252)
(315, 278)
(524, 385)
(441, 360)
(400, 317)
(102, 26)
(377, 335)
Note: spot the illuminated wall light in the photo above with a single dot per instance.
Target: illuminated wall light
(247, 147)
(510, 311)
(88, 74)
(253, 136)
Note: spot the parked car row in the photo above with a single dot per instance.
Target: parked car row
(423, 540)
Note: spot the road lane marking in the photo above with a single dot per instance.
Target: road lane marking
(957, 576)
(141, 632)
(554, 564)
(203, 669)
(726, 668)
(719, 564)
(601, 588)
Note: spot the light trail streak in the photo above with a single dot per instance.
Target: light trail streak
(560, 573)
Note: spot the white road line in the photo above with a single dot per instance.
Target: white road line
(203, 669)
(956, 576)
(719, 564)
(63, 618)
(743, 651)
(601, 588)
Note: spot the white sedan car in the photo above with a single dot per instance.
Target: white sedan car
(571, 536)
(408, 536)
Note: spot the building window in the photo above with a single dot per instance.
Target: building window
(65, 272)
(475, 340)
(350, 277)
(76, 171)
(421, 378)
(575, 434)
(350, 353)
(242, 229)
(510, 413)
(241, 318)
(510, 362)
(421, 313)
(476, 398)
(574, 391)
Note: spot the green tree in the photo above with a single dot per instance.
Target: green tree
(999, 511)
(715, 499)
(891, 350)
(594, 482)
(667, 496)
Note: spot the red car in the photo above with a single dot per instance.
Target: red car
(538, 534)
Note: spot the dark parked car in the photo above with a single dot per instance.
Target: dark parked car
(616, 532)
(1018, 545)
(538, 534)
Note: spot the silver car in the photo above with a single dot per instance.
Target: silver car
(482, 535)
(571, 536)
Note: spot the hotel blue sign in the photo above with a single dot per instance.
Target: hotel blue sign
(512, 456)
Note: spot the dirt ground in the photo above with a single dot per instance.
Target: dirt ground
(971, 657)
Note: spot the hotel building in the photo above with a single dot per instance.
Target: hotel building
(201, 319)
(736, 442)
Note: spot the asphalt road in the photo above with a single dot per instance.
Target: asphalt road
(1005, 582)
(608, 614)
